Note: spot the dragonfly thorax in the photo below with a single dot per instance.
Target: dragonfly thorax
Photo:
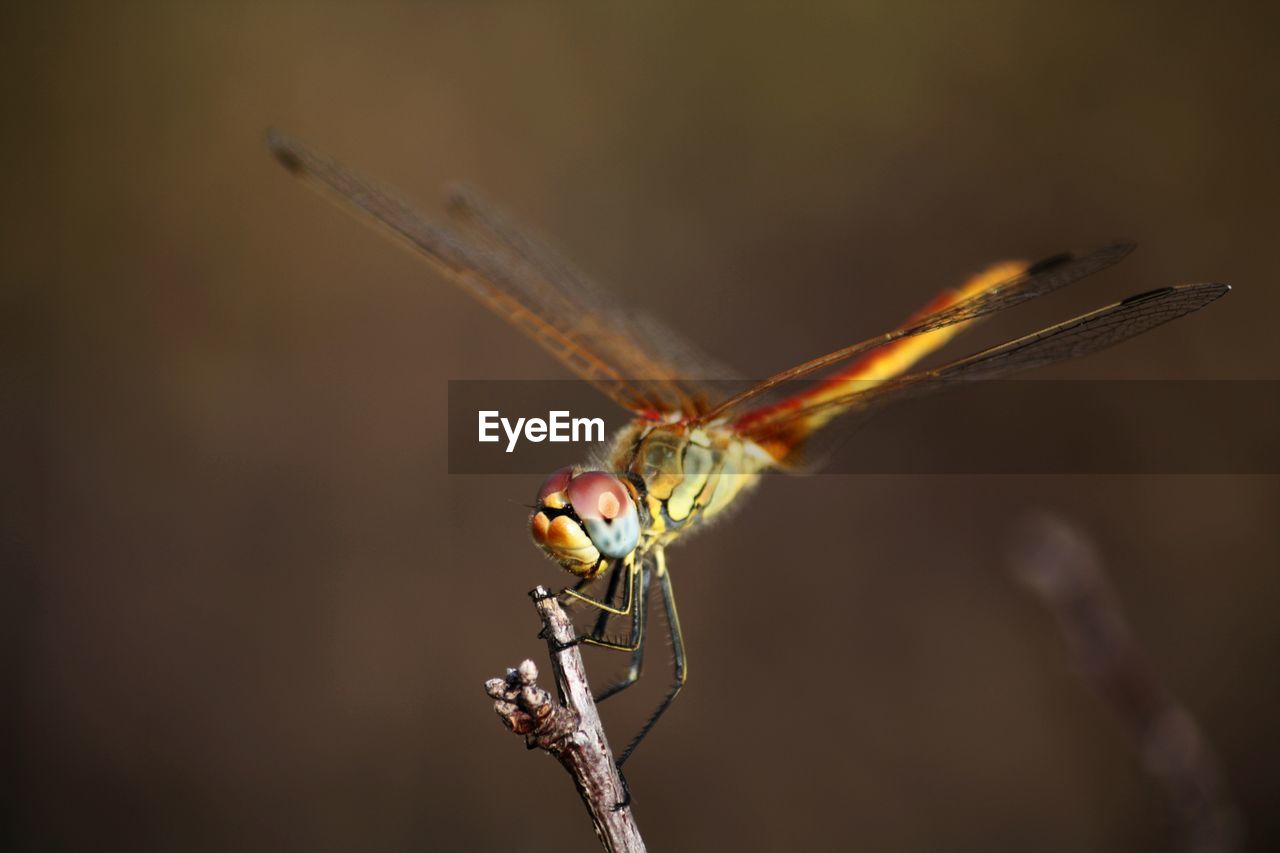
(689, 474)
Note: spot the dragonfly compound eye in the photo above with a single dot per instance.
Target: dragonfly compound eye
(552, 492)
(607, 511)
(585, 520)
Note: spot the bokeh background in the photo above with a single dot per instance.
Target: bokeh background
(243, 605)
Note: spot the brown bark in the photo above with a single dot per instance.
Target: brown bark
(570, 728)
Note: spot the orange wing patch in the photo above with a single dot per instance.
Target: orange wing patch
(882, 363)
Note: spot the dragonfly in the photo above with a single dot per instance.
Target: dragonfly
(696, 444)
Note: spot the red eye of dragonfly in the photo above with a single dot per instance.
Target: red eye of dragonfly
(557, 482)
(597, 495)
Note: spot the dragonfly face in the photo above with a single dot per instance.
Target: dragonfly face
(586, 519)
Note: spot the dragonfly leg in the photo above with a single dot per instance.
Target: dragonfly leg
(576, 592)
(573, 593)
(635, 609)
(632, 606)
(602, 621)
(626, 793)
(615, 579)
(677, 651)
(637, 634)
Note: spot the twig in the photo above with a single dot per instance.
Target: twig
(1058, 563)
(569, 729)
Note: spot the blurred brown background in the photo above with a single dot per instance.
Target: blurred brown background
(243, 605)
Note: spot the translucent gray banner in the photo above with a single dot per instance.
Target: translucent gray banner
(970, 427)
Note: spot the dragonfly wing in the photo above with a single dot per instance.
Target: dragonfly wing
(580, 330)
(669, 367)
(1027, 283)
(882, 362)
(1085, 334)
(1080, 336)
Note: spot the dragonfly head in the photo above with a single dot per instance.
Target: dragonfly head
(584, 519)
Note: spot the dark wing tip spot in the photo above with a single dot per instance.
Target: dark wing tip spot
(458, 198)
(1143, 297)
(1049, 263)
(285, 152)
(1212, 290)
(1104, 257)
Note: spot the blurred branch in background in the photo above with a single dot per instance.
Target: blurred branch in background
(1056, 561)
(569, 729)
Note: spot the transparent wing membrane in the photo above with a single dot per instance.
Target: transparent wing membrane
(670, 368)
(1034, 281)
(523, 281)
(1080, 336)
